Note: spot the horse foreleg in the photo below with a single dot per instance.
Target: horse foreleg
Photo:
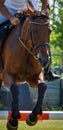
(15, 110)
(13, 121)
(32, 118)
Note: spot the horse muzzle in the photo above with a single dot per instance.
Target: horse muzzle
(43, 61)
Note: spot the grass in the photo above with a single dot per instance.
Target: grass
(42, 125)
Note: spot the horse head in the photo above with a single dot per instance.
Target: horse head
(36, 30)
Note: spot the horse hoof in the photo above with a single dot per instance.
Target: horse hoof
(10, 127)
(29, 122)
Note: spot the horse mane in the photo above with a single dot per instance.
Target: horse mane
(35, 15)
(39, 15)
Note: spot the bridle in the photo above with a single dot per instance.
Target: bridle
(36, 23)
(34, 46)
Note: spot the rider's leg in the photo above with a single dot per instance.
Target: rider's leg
(2, 20)
(49, 73)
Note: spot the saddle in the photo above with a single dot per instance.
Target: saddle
(4, 30)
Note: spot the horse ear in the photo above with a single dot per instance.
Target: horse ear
(24, 29)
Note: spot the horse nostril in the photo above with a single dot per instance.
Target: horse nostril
(45, 62)
(40, 61)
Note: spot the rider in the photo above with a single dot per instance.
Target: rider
(8, 9)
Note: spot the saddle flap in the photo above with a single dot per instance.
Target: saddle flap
(4, 29)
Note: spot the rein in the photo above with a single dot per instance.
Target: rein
(32, 51)
(23, 44)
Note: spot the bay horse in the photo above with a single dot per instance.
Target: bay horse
(25, 52)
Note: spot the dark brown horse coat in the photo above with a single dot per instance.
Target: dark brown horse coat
(18, 63)
(25, 52)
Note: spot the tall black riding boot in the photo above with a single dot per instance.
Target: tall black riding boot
(49, 73)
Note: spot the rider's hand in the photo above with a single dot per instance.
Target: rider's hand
(46, 11)
(14, 20)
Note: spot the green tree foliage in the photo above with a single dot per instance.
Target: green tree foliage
(56, 38)
(57, 33)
